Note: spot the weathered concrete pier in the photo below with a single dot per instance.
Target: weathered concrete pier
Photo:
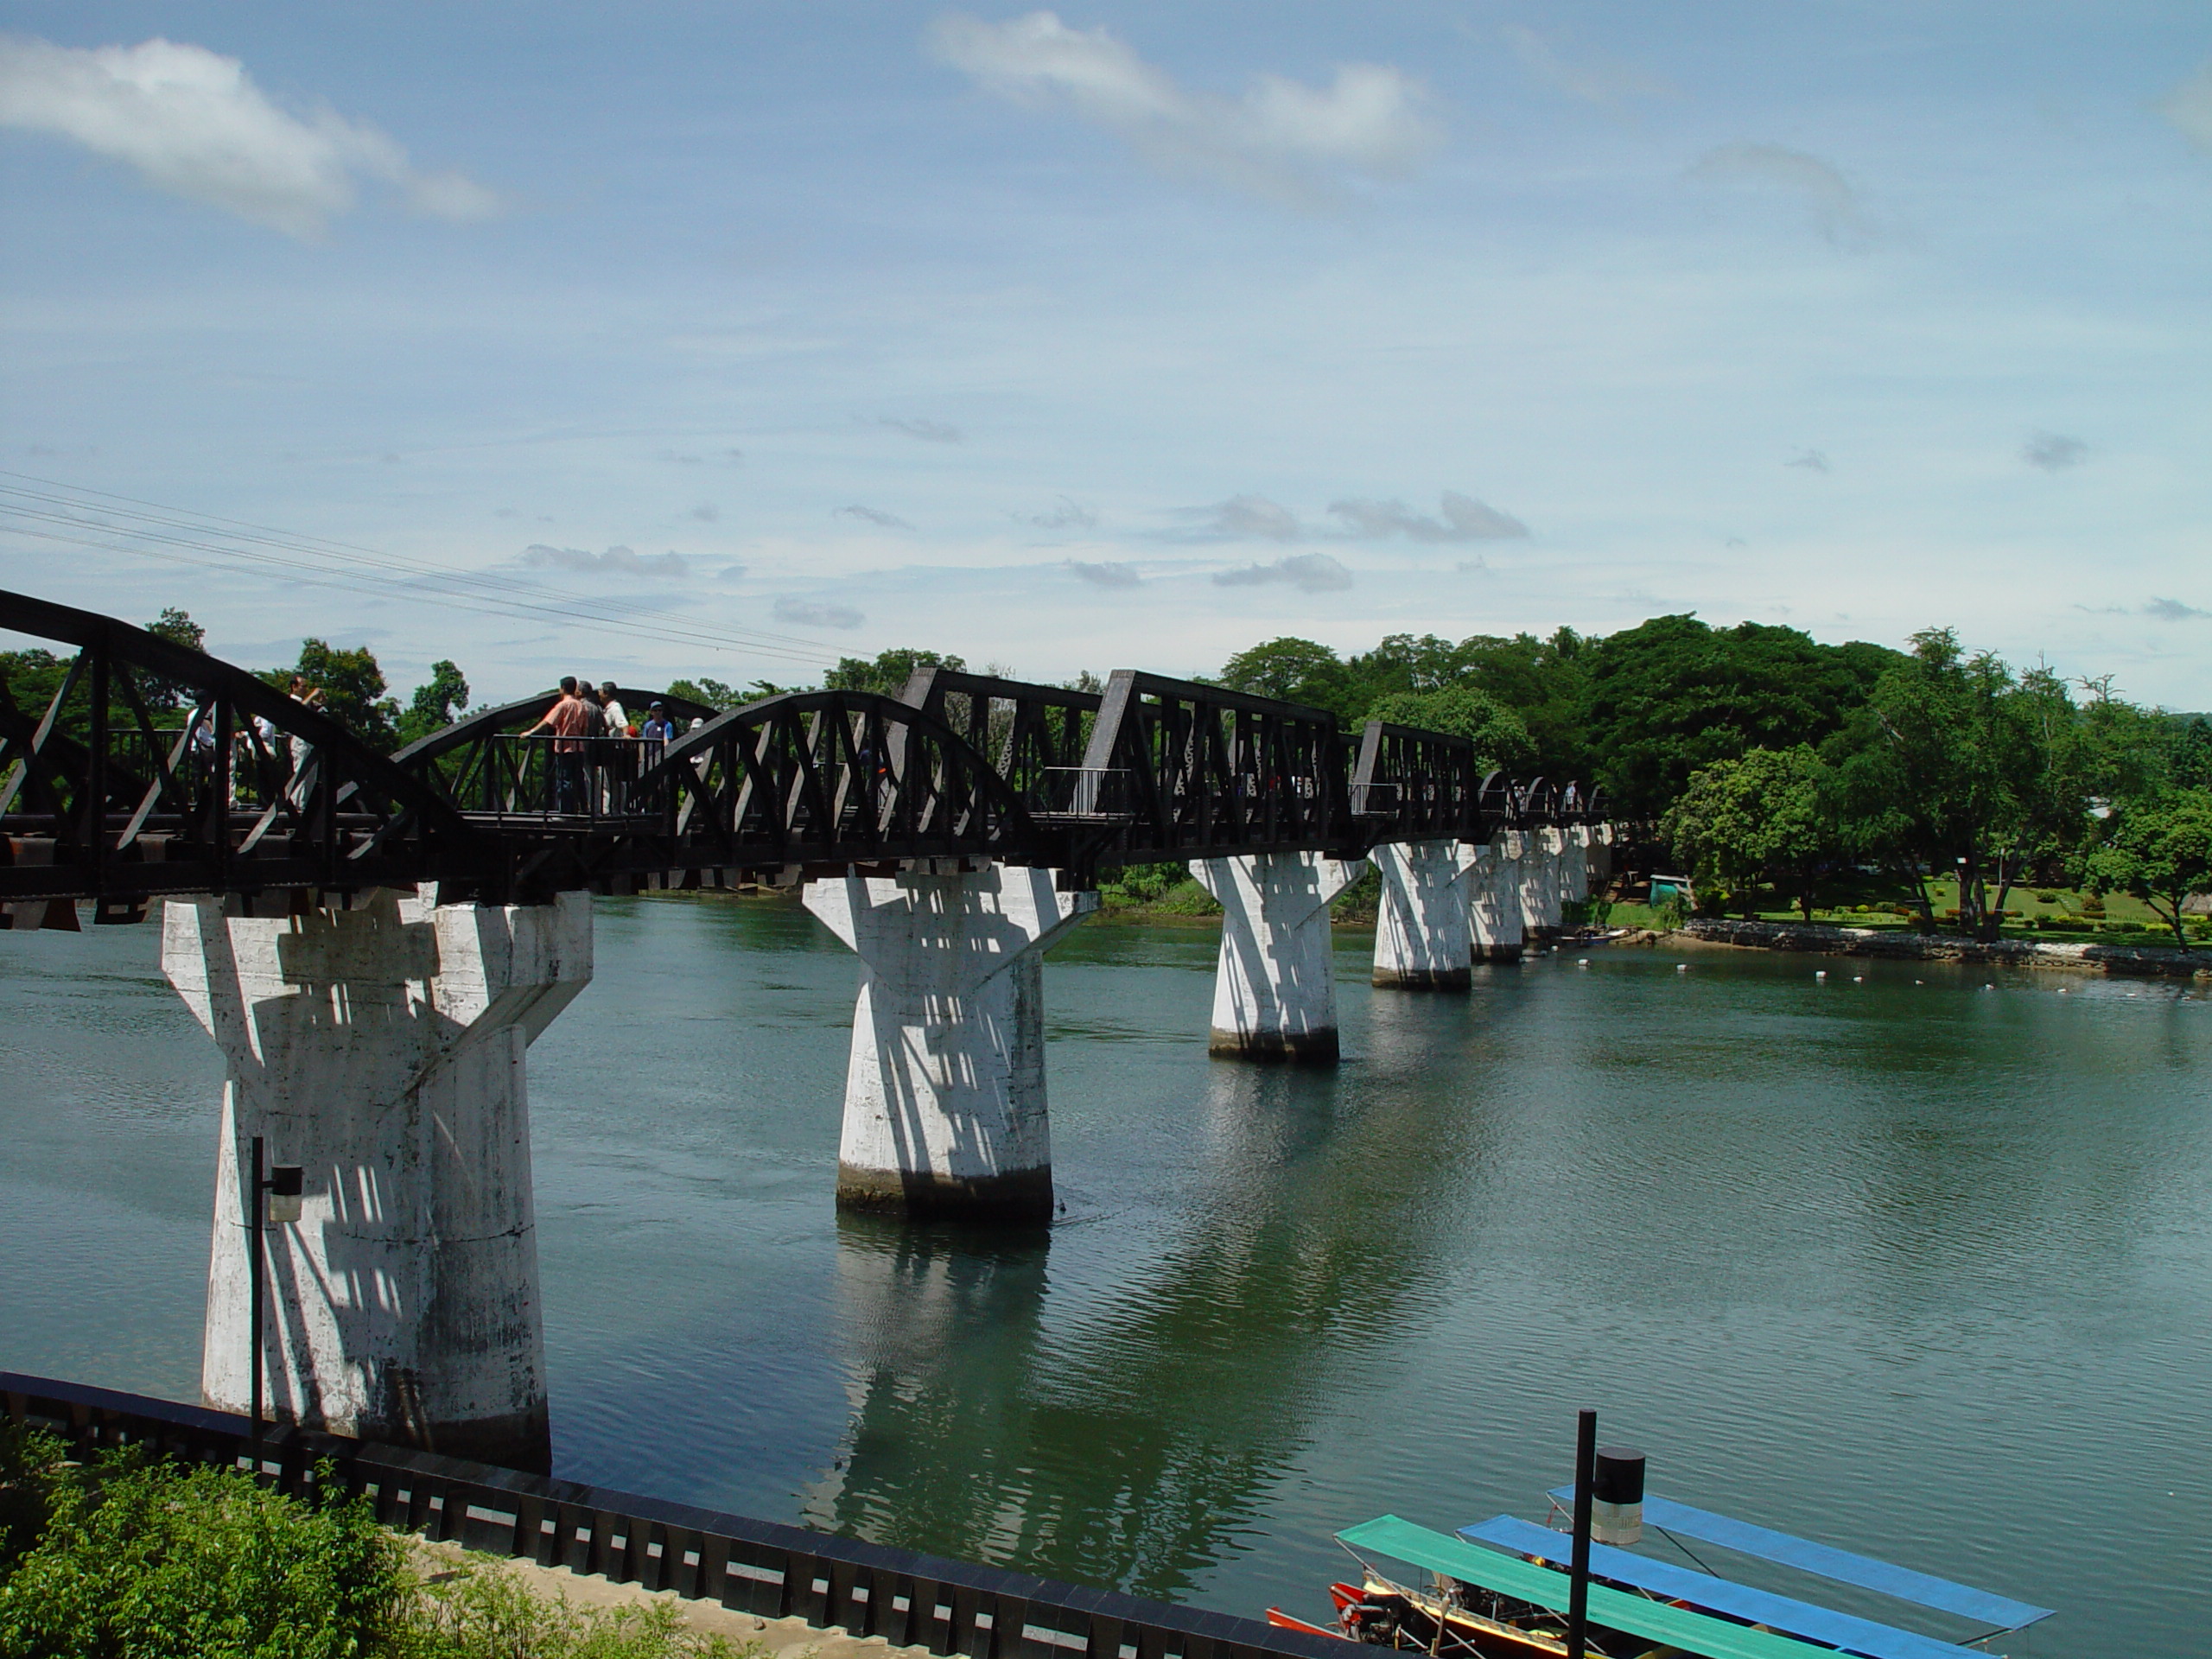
(1274, 994)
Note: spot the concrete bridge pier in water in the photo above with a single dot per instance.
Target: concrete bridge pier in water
(1494, 899)
(944, 1092)
(1539, 881)
(1421, 917)
(1275, 992)
(381, 1048)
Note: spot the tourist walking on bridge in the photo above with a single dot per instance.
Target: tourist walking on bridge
(569, 721)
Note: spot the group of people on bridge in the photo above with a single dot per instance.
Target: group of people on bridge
(596, 748)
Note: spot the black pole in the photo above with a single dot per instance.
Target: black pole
(253, 1230)
(1578, 1587)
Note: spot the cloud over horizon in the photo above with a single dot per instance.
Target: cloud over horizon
(1310, 572)
(1837, 209)
(1108, 574)
(817, 613)
(1282, 139)
(927, 431)
(1464, 519)
(616, 561)
(872, 516)
(192, 122)
(2189, 107)
(2053, 452)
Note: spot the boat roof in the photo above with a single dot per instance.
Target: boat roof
(2000, 1613)
(1859, 1636)
(1696, 1633)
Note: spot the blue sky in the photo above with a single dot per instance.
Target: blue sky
(1120, 335)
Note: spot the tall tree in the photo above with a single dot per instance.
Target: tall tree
(886, 674)
(436, 705)
(1297, 670)
(1673, 694)
(1764, 815)
(353, 688)
(1499, 736)
(2160, 848)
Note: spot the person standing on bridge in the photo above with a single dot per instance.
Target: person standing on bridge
(307, 697)
(618, 719)
(569, 719)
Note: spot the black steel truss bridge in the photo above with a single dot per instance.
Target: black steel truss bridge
(152, 770)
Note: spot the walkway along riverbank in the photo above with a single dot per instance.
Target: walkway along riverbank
(1819, 939)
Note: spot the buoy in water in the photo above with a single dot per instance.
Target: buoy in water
(1820, 973)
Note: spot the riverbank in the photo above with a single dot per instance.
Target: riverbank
(1817, 938)
(753, 1636)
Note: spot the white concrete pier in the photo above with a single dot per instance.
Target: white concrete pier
(1421, 940)
(1574, 864)
(944, 1092)
(1274, 989)
(1539, 881)
(381, 1048)
(1496, 934)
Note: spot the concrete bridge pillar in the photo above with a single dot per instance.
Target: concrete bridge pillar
(1274, 989)
(1421, 940)
(1600, 853)
(945, 1092)
(1494, 900)
(1539, 881)
(381, 1048)
(1574, 864)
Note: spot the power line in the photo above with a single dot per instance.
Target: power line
(183, 534)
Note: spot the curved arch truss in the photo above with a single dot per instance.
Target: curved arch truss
(131, 767)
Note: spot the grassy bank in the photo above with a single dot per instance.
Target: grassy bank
(1165, 893)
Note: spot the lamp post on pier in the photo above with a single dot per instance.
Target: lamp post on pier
(273, 1196)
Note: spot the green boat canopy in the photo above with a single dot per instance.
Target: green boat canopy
(1507, 1575)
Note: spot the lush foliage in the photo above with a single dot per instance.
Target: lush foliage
(2159, 849)
(1500, 736)
(1765, 815)
(887, 674)
(436, 705)
(134, 1559)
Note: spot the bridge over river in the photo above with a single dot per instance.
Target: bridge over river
(374, 941)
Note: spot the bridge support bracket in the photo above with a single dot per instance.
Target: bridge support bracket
(1274, 989)
(1421, 940)
(381, 1048)
(944, 1092)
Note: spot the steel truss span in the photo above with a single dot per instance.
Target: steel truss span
(132, 768)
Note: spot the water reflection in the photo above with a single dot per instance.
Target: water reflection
(1131, 1439)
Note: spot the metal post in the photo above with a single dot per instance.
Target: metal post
(1577, 1589)
(253, 1323)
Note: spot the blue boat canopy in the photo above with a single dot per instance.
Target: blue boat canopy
(1986, 1607)
(1859, 1636)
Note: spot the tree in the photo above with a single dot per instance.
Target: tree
(2159, 849)
(1672, 695)
(1498, 735)
(435, 705)
(1948, 767)
(1767, 812)
(353, 688)
(1297, 671)
(179, 629)
(887, 674)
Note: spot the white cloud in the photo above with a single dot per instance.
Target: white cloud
(1281, 139)
(1106, 575)
(1838, 211)
(1069, 514)
(1594, 80)
(1311, 573)
(927, 431)
(2189, 107)
(817, 613)
(616, 561)
(1464, 519)
(191, 122)
(872, 516)
(2172, 610)
(1247, 516)
(2053, 452)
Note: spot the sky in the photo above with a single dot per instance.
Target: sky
(728, 340)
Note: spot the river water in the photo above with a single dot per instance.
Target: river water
(1920, 1267)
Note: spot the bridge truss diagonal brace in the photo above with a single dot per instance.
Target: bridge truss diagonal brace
(1421, 941)
(382, 1049)
(944, 1090)
(1275, 989)
(1494, 925)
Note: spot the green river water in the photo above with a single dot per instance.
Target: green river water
(1916, 1267)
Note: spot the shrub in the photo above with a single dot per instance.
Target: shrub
(2046, 898)
(147, 1560)
(486, 1611)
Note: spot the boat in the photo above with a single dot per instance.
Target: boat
(1499, 1589)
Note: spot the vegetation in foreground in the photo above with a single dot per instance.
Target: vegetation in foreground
(130, 1558)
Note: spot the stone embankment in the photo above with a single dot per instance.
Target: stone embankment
(1819, 939)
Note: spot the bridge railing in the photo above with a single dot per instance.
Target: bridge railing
(762, 1567)
(512, 776)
